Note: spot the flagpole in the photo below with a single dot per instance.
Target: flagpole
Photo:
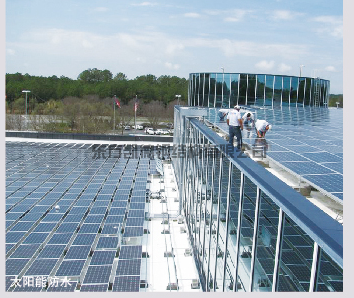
(136, 98)
(114, 114)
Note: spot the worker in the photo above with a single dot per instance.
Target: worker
(234, 121)
(248, 118)
(222, 113)
(262, 126)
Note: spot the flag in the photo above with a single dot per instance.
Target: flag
(117, 103)
(136, 104)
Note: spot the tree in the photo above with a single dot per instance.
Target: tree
(155, 112)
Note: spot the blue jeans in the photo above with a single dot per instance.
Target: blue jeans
(235, 131)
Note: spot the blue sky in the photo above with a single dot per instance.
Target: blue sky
(66, 37)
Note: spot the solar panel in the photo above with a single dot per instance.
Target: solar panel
(107, 242)
(94, 288)
(52, 251)
(98, 274)
(89, 228)
(44, 227)
(63, 287)
(130, 252)
(126, 284)
(117, 211)
(63, 238)
(25, 251)
(128, 267)
(94, 218)
(133, 232)
(103, 257)
(70, 268)
(67, 227)
(114, 219)
(84, 239)
(136, 213)
(35, 238)
(14, 237)
(135, 222)
(41, 267)
(110, 229)
(15, 266)
(77, 252)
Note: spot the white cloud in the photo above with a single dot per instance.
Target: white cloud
(101, 9)
(144, 4)
(265, 65)
(282, 15)
(10, 52)
(284, 68)
(332, 25)
(172, 66)
(330, 68)
(192, 15)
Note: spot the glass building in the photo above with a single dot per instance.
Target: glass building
(249, 230)
(228, 89)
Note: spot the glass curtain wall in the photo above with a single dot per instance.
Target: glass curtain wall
(242, 240)
(228, 89)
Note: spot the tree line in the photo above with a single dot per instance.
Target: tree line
(96, 82)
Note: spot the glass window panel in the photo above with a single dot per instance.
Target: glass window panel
(269, 90)
(293, 90)
(330, 276)
(222, 224)
(301, 95)
(260, 90)
(243, 89)
(246, 240)
(206, 89)
(251, 90)
(286, 91)
(226, 91)
(265, 250)
(296, 259)
(277, 91)
(232, 229)
(197, 89)
(234, 90)
(212, 90)
(309, 90)
(219, 88)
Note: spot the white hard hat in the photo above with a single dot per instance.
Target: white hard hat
(269, 127)
(237, 107)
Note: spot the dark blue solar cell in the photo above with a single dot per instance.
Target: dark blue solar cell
(15, 266)
(41, 267)
(302, 149)
(136, 213)
(89, 228)
(98, 210)
(94, 218)
(67, 227)
(103, 257)
(70, 268)
(25, 251)
(117, 211)
(52, 217)
(114, 219)
(14, 237)
(77, 252)
(22, 226)
(129, 267)
(137, 206)
(286, 156)
(121, 204)
(73, 218)
(35, 238)
(108, 242)
(335, 166)
(94, 288)
(130, 252)
(84, 239)
(330, 182)
(110, 229)
(52, 251)
(62, 238)
(133, 231)
(98, 274)
(45, 227)
(322, 157)
(126, 284)
(307, 167)
(135, 222)
(21, 208)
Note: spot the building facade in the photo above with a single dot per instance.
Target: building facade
(217, 90)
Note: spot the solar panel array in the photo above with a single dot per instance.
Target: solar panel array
(66, 208)
(307, 141)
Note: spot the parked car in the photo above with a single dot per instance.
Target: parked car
(149, 131)
(127, 127)
(158, 132)
(140, 127)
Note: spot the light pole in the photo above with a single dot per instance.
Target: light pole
(114, 113)
(178, 97)
(301, 66)
(222, 69)
(26, 91)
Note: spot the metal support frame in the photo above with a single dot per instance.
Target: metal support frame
(278, 251)
(227, 224)
(255, 236)
(315, 269)
(218, 220)
(238, 234)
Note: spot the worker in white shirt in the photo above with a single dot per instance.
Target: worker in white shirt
(234, 121)
(248, 118)
(222, 113)
(262, 126)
